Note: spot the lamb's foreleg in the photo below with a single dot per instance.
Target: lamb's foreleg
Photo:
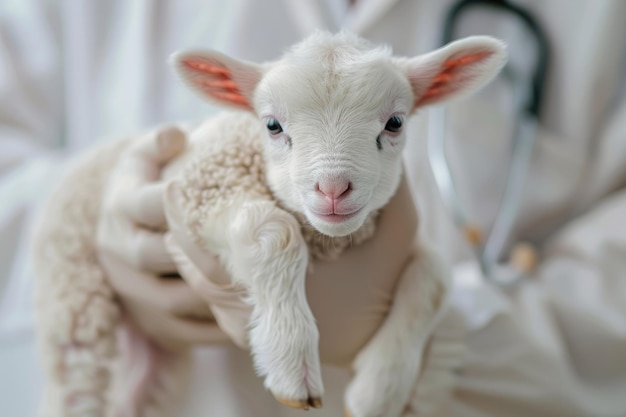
(387, 368)
(269, 256)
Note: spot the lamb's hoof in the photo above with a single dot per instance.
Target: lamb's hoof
(315, 402)
(301, 404)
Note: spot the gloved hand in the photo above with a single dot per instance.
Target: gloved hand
(349, 297)
(132, 250)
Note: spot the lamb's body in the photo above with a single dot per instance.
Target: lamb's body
(77, 314)
(222, 169)
(329, 158)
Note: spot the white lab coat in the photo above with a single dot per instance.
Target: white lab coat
(74, 72)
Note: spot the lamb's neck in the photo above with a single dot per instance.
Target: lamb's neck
(322, 246)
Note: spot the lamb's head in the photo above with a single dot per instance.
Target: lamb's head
(335, 109)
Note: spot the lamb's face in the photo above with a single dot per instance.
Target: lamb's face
(334, 138)
(335, 109)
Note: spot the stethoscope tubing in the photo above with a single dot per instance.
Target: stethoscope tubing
(528, 100)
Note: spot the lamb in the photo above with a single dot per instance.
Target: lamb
(298, 172)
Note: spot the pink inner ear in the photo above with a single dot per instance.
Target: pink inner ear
(216, 81)
(456, 71)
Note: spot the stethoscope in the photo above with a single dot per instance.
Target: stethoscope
(489, 247)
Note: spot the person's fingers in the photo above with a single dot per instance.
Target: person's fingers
(146, 206)
(142, 249)
(226, 300)
(138, 195)
(174, 296)
(147, 251)
(195, 332)
(159, 146)
(205, 280)
(175, 331)
(171, 295)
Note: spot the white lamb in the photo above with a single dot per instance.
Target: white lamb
(318, 143)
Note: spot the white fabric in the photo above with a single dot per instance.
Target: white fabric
(73, 72)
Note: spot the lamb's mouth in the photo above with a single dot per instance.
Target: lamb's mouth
(336, 217)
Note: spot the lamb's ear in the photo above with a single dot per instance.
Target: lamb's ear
(219, 78)
(455, 70)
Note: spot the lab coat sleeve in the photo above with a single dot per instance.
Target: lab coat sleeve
(553, 346)
(31, 142)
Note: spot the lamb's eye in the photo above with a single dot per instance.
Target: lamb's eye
(274, 127)
(394, 124)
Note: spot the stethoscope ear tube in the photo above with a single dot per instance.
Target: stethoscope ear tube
(533, 105)
(528, 95)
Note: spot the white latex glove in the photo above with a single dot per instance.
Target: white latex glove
(350, 297)
(133, 253)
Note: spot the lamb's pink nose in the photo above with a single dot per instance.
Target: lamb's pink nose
(335, 190)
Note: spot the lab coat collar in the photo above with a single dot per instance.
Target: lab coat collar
(310, 14)
(366, 13)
